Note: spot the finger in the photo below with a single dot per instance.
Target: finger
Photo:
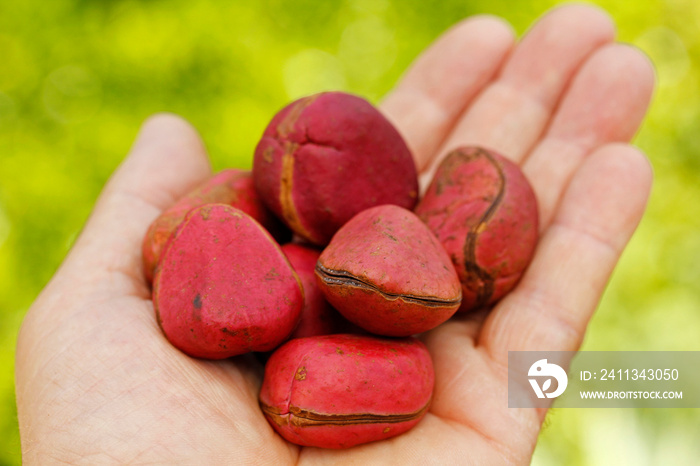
(551, 306)
(605, 103)
(510, 115)
(444, 79)
(167, 160)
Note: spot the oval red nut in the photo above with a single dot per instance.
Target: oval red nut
(484, 211)
(338, 391)
(324, 158)
(224, 287)
(386, 272)
(232, 187)
(317, 317)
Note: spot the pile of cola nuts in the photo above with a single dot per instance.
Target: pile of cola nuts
(368, 266)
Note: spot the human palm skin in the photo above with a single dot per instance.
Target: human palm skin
(97, 382)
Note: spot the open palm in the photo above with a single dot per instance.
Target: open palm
(98, 382)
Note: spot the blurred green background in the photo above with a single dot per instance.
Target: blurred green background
(77, 77)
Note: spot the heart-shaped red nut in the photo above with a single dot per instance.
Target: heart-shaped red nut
(386, 272)
(484, 211)
(224, 287)
(338, 391)
(232, 187)
(317, 317)
(324, 158)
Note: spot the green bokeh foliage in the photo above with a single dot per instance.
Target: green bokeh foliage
(78, 77)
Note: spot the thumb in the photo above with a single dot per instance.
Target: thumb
(167, 160)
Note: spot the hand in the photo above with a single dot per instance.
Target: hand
(98, 382)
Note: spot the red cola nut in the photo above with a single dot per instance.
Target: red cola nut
(325, 158)
(232, 187)
(483, 210)
(224, 287)
(338, 391)
(386, 272)
(317, 317)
